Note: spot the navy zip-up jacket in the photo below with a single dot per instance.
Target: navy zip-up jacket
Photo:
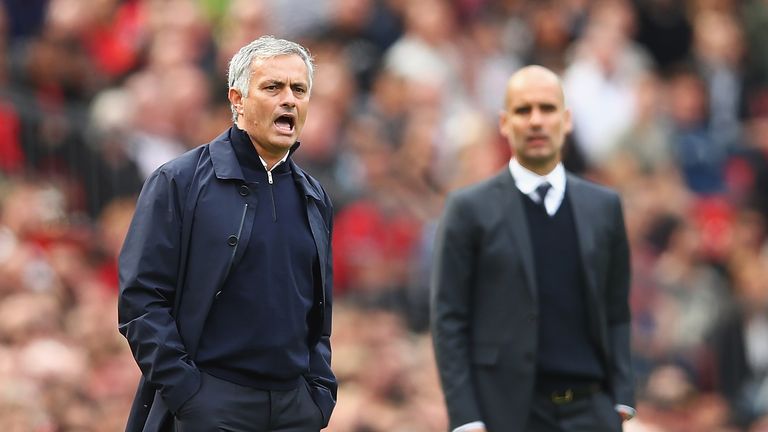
(191, 216)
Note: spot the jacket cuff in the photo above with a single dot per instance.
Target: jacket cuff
(324, 400)
(174, 397)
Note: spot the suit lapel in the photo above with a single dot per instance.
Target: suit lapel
(585, 223)
(517, 223)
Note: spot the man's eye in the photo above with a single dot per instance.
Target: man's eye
(270, 87)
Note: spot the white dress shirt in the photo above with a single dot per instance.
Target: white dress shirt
(527, 181)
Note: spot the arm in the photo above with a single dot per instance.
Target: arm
(618, 313)
(322, 381)
(149, 263)
(451, 314)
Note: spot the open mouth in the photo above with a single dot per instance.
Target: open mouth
(285, 123)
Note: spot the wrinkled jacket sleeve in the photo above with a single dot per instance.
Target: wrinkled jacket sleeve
(322, 381)
(148, 268)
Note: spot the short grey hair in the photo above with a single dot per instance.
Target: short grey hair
(265, 47)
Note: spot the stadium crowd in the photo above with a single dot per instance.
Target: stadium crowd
(670, 103)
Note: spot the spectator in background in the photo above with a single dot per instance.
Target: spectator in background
(700, 158)
(717, 52)
(739, 344)
(601, 79)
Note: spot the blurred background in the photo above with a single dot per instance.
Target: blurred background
(670, 101)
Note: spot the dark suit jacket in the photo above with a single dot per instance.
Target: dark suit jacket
(484, 298)
(177, 255)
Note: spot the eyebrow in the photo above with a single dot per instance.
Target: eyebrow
(542, 105)
(281, 83)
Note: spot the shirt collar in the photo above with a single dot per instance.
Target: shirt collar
(527, 181)
(264, 163)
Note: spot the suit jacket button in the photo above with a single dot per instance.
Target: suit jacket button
(232, 240)
(218, 293)
(532, 317)
(528, 357)
(244, 191)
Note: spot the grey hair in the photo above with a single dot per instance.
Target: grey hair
(265, 47)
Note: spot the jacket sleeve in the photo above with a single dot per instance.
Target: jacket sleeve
(618, 311)
(322, 381)
(450, 313)
(148, 269)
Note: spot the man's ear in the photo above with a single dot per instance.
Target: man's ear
(503, 119)
(568, 120)
(236, 99)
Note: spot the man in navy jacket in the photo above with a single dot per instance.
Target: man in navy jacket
(225, 274)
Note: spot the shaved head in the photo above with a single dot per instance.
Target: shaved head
(524, 76)
(535, 120)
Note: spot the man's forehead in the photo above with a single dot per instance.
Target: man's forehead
(522, 92)
(278, 62)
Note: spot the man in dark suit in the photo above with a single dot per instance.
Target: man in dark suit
(530, 314)
(225, 274)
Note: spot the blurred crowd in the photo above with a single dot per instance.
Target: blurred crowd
(670, 103)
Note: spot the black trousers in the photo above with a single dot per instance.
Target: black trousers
(594, 413)
(220, 405)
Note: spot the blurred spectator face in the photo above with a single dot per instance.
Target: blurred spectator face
(188, 96)
(687, 99)
(717, 38)
(29, 209)
(431, 20)
(26, 315)
(51, 359)
(245, 20)
(171, 48)
(334, 81)
(685, 240)
(321, 133)
(351, 14)
(535, 121)
(113, 225)
(275, 108)
(68, 17)
(750, 284)
(550, 26)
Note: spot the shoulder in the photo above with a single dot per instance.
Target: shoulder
(479, 203)
(589, 188)
(481, 192)
(181, 170)
(176, 177)
(312, 186)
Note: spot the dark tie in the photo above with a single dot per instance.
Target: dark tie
(541, 191)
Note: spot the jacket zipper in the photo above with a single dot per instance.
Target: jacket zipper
(271, 193)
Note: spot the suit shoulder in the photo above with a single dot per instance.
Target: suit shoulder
(479, 191)
(592, 188)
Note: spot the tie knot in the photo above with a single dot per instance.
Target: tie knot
(542, 190)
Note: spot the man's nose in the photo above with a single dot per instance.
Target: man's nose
(287, 98)
(536, 117)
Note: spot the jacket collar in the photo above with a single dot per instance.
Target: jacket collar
(227, 167)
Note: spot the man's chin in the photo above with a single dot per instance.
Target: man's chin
(283, 141)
